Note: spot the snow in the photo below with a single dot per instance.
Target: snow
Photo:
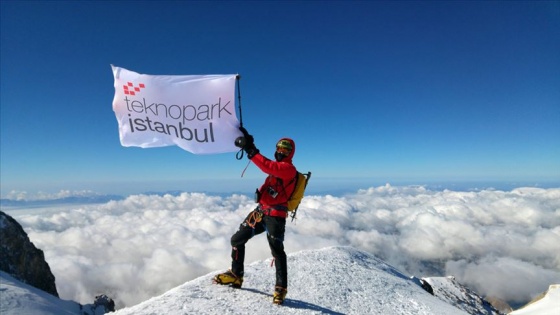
(548, 305)
(333, 280)
(454, 293)
(19, 298)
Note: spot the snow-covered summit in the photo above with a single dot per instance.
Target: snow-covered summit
(333, 280)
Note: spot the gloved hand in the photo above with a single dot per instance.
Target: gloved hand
(249, 146)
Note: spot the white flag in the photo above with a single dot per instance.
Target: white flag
(194, 112)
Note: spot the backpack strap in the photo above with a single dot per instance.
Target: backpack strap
(293, 180)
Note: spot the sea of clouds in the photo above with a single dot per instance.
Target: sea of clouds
(504, 244)
(24, 195)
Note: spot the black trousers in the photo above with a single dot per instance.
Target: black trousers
(275, 228)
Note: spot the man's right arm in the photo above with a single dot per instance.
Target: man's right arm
(277, 169)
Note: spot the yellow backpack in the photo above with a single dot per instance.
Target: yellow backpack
(301, 181)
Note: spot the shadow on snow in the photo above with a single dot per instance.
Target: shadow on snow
(297, 304)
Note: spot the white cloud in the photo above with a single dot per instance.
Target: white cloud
(25, 196)
(144, 245)
(514, 279)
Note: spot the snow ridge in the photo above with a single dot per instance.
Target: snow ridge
(454, 293)
(333, 280)
(549, 304)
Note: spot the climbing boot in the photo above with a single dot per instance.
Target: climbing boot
(228, 278)
(279, 295)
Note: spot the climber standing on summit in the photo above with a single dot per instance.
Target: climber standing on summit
(269, 215)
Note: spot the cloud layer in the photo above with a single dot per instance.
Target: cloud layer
(504, 244)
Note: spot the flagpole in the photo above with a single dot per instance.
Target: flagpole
(239, 154)
(237, 79)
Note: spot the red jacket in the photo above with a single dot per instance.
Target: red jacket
(280, 183)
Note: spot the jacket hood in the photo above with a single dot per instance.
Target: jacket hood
(291, 155)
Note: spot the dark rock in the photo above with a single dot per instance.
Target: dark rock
(104, 301)
(21, 259)
(426, 286)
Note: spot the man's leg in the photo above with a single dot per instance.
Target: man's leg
(276, 228)
(238, 241)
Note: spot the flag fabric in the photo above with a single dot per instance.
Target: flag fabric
(194, 112)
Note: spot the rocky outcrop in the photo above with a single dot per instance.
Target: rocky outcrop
(105, 302)
(21, 259)
(499, 304)
(451, 291)
(423, 284)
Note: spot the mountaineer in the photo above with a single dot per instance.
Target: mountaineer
(269, 216)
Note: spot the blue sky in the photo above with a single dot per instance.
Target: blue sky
(372, 92)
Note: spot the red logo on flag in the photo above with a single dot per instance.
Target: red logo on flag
(130, 89)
